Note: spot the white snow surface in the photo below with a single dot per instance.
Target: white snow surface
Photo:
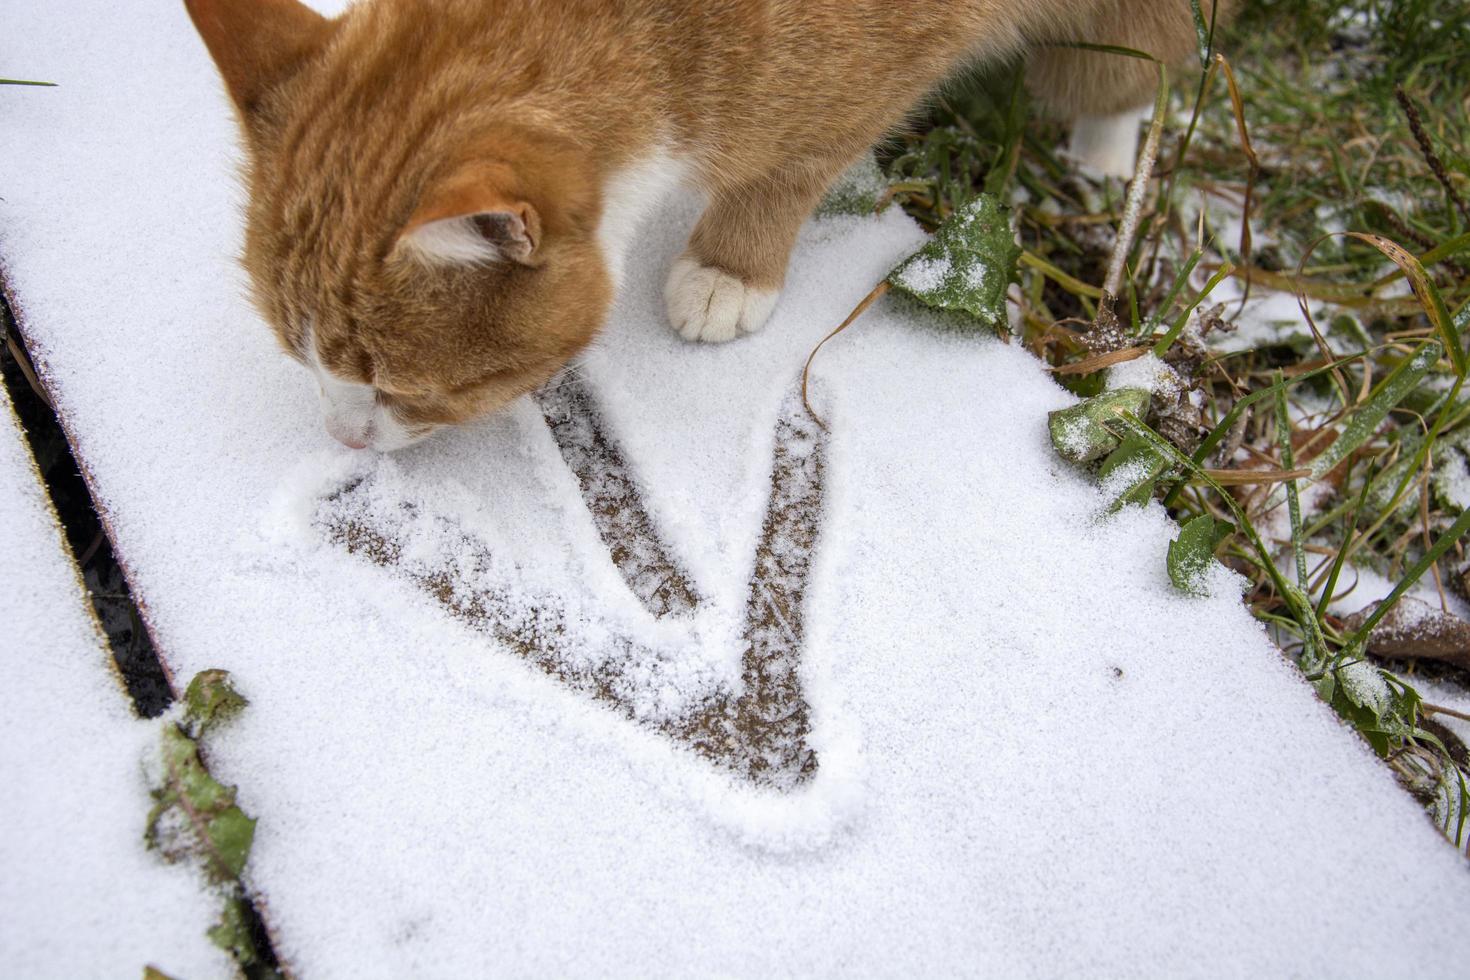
(1036, 758)
(80, 895)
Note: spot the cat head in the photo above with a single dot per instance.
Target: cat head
(425, 258)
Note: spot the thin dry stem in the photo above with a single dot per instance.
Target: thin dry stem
(1133, 209)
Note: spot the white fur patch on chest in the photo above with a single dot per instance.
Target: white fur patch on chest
(627, 199)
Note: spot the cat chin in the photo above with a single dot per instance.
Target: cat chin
(389, 435)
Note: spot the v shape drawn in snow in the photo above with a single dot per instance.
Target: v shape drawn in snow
(759, 732)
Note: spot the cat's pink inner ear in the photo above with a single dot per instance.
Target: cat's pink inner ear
(469, 219)
(257, 43)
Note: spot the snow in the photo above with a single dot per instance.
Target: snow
(1444, 694)
(81, 896)
(1275, 523)
(926, 275)
(1452, 479)
(1032, 755)
(1147, 373)
(1074, 439)
(1269, 317)
(1359, 586)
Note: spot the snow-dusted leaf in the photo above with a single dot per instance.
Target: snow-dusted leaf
(967, 265)
(858, 191)
(194, 815)
(1204, 34)
(1129, 473)
(1085, 431)
(1374, 702)
(1363, 685)
(210, 699)
(1190, 554)
(232, 933)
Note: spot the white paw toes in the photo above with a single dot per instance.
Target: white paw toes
(712, 306)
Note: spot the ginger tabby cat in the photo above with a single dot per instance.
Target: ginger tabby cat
(442, 192)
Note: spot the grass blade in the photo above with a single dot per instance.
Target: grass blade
(1340, 559)
(1293, 499)
(1163, 345)
(1364, 422)
(1296, 601)
(1171, 295)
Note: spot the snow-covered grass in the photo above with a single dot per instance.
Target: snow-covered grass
(1023, 752)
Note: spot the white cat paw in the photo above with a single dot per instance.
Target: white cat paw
(712, 306)
(1107, 145)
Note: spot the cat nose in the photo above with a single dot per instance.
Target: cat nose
(350, 442)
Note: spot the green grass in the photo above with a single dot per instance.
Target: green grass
(1353, 118)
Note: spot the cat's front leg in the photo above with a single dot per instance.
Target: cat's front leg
(727, 281)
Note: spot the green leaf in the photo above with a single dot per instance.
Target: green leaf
(967, 265)
(1129, 473)
(232, 932)
(1203, 32)
(1326, 686)
(858, 191)
(1362, 684)
(1366, 697)
(1190, 554)
(20, 81)
(1081, 433)
(194, 815)
(231, 833)
(210, 699)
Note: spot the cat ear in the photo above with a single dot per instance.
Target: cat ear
(472, 219)
(257, 43)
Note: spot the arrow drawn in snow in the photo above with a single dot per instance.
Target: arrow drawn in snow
(758, 733)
